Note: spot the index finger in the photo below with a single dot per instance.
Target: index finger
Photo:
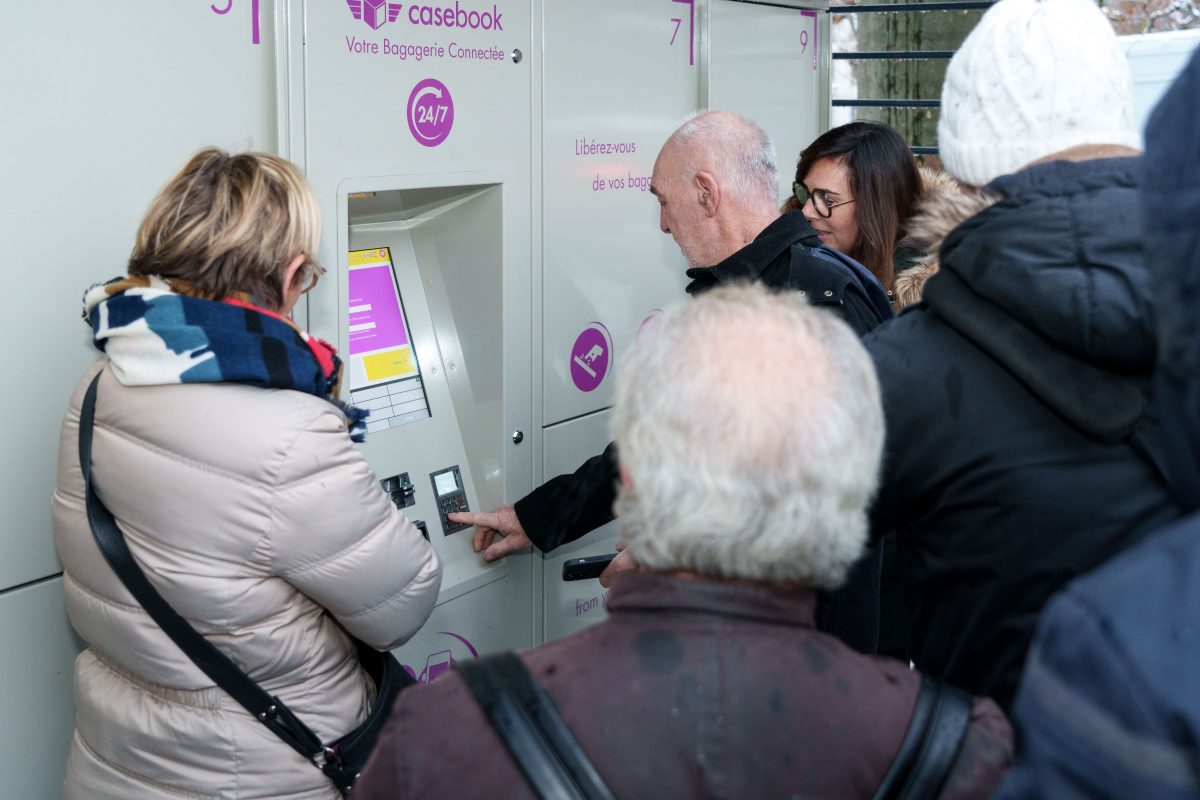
(481, 519)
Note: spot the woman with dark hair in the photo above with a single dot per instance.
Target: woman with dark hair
(858, 185)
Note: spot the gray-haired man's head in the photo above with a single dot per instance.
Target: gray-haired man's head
(715, 173)
(750, 432)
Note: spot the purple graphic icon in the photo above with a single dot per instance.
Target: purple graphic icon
(442, 661)
(430, 112)
(374, 12)
(435, 665)
(590, 357)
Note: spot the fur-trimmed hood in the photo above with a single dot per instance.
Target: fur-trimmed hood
(945, 204)
(1050, 280)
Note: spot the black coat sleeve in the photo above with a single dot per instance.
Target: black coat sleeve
(568, 507)
(826, 285)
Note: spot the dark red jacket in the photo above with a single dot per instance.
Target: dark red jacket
(690, 689)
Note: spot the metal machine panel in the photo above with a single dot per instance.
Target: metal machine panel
(616, 84)
(93, 125)
(416, 135)
(770, 63)
(575, 605)
(37, 671)
(448, 273)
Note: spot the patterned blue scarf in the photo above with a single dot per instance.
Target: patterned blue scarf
(154, 335)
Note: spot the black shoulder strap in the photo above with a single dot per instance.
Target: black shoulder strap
(532, 730)
(268, 709)
(930, 745)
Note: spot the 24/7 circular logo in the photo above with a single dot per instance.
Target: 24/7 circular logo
(430, 112)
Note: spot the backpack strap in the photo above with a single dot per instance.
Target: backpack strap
(532, 730)
(935, 733)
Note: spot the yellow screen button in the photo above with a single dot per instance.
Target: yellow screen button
(396, 363)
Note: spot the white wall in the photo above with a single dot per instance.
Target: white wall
(101, 102)
(1155, 59)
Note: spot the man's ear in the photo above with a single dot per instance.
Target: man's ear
(708, 193)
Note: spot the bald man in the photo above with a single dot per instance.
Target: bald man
(717, 181)
(717, 184)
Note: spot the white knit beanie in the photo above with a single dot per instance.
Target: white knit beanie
(1034, 78)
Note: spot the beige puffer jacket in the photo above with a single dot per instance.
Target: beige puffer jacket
(256, 517)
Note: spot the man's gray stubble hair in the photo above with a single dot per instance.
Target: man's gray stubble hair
(744, 153)
(751, 428)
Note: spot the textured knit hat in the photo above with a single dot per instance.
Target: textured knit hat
(1033, 78)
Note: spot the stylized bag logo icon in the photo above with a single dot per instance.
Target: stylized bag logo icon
(373, 12)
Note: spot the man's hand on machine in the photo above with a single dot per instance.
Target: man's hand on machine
(502, 520)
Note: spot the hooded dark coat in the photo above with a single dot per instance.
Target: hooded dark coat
(1019, 452)
(1109, 706)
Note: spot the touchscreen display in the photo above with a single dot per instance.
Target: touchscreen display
(382, 370)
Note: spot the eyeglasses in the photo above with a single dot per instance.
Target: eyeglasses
(820, 199)
(315, 273)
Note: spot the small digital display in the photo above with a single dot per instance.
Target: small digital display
(445, 483)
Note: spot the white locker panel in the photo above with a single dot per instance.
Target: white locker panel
(770, 63)
(102, 102)
(462, 104)
(489, 620)
(571, 606)
(37, 665)
(616, 83)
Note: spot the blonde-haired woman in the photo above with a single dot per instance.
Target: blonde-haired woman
(225, 457)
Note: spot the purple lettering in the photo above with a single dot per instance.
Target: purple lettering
(585, 606)
(456, 17)
(356, 45)
(590, 147)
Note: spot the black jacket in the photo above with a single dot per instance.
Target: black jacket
(788, 255)
(568, 507)
(1020, 452)
(1109, 706)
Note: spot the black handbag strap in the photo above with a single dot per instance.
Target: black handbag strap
(532, 730)
(266, 708)
(939, 723)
